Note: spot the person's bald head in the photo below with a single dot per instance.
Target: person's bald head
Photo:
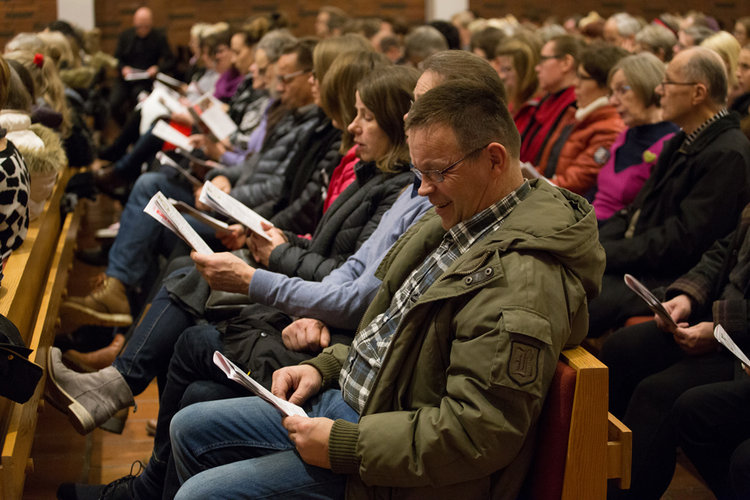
(143, 21)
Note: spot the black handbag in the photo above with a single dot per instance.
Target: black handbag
(18, 376)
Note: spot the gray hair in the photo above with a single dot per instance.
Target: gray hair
(643, 72)
(705, 66)
(627, 25)
(423, 42)
(656, 37)
(274, 42)
(698, 33)
(459, 64)
(547, 33)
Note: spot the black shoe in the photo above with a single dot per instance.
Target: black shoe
(95, 256)
(78, 491)
(109, 182)
(119, 489)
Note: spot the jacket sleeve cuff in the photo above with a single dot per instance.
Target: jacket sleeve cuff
(696, 290)
(342, 447)
(732, 315)
(328, 366)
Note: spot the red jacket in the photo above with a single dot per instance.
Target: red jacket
(537, 123)
(581, 149)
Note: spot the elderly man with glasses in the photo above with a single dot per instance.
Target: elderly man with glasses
(693, 198)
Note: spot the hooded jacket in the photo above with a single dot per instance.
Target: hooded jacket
(452, 410)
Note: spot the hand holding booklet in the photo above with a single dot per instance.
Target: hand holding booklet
(233, 372)
(220, 201)
(650, 299)
(162, 210)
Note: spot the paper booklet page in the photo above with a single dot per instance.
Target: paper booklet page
(162, 210)
(233, 372)
(137, 74)
(166, 133)
(199, 161)
(164, 159)
(206, 219)
(223, 203)
(724, 339)
(215, 118)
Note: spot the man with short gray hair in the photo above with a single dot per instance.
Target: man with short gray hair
(695, 193)
(694, 197)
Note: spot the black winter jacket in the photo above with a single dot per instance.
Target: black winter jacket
(693, 197)
(300, 206)
(347, 223)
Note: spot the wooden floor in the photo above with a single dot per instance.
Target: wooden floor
(62, 455)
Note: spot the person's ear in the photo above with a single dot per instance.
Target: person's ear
(498, 156)
(700, 93)
(569, 64)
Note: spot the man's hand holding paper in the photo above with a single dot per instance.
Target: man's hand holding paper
(224, 271)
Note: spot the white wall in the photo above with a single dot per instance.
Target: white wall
(443, 9)
(78, 12)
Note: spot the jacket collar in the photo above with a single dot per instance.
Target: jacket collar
(708, 135)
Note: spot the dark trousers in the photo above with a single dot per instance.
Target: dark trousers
(713, 429)
(614, 305)
(647, 373)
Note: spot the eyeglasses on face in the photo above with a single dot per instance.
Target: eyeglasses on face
(664, 83)
(438, 176)
(620, 90)
(286, 79)
(543, 58)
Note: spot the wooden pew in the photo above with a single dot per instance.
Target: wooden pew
(580, 445)
(30, 296)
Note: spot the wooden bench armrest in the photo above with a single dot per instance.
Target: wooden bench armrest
(619, 452)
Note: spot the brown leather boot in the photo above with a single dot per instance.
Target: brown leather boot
(106, 305)
(96, 360)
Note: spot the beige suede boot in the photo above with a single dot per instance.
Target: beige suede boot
(89, 399)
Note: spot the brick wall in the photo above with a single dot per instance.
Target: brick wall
(177, 16)
(25, 15)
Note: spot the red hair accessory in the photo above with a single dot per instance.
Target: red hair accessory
(38, 60)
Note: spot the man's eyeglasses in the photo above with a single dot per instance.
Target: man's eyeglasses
(286, 79)
(664, 83)
(438, 176)
(543, 58)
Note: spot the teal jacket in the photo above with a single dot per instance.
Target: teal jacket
(452, 411)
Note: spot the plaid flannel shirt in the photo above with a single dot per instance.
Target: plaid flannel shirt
(371, 344)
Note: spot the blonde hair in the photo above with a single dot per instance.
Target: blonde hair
(728, 48)
(58, 48)
(47, 83)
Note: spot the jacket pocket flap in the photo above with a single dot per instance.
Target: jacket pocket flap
(527, 323)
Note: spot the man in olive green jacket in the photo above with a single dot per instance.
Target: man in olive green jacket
(442, 387)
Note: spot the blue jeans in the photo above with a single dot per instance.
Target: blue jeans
(140, 238)
(150, 347)
(189, 380)
(237, 448)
